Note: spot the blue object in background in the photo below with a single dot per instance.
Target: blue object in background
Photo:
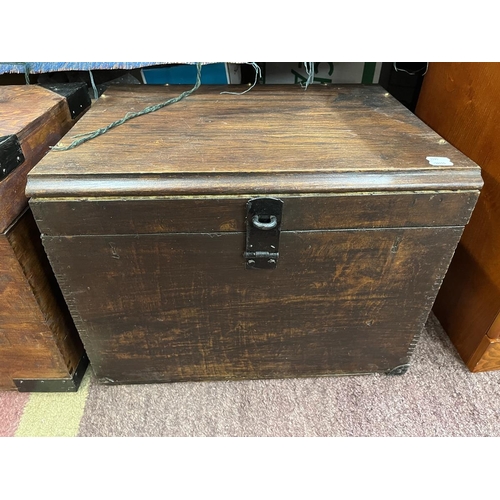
(49, 67)
(211, 74)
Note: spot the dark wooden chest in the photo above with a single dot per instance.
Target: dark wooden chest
(40, 349)
(280, 233)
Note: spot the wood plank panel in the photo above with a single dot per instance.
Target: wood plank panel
(183, 307)
(163, 215)
(37, 336)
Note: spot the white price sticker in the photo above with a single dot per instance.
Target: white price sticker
(439, 161)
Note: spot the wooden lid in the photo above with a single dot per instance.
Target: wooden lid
(273, 139)
(32, 118)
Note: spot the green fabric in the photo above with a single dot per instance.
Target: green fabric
(54, 414)
(368, 73)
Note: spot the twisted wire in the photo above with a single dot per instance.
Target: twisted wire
(82, 138)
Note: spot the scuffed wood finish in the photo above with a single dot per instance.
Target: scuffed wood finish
(460, 101)
(269, 140)
(37, 335)
(183, 306)
(39, 118)
(38, 340)
(22, 119)
(162, 215)
(76, 186)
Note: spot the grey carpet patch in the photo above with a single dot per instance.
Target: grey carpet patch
(437, 397)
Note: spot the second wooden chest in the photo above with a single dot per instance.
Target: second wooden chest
(40, 349)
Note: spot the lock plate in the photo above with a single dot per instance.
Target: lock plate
(263, 232)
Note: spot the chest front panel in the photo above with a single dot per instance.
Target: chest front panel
(168, 307)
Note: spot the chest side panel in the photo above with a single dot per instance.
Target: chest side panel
(25, 241)
(27, 345)
(172, 307)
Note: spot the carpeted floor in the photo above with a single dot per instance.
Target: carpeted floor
(437, 397)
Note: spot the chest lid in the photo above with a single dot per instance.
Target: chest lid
(32, 118)
(273, 139)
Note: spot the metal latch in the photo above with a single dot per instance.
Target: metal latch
(263, 232)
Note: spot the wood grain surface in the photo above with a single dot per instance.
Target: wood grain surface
(459, 100)
(466, 303)
(37, 336)
(268, 139)
(183, 307)
(22, 106)
(486, 357)
(221, 214)
(39, 118)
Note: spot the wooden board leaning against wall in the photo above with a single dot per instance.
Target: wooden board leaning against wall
(460, 101)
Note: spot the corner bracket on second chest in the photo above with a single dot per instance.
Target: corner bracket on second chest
(263, 224)
(11, 155)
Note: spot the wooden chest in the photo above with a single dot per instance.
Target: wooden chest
(39, 346)
(460, 101)
(280, 233)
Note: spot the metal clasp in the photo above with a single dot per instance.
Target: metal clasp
(263, 232)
